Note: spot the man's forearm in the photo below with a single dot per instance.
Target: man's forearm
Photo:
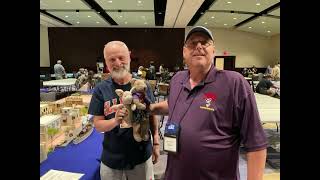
(105, 125)
(256, 164)
(154, 129)
(160, 108)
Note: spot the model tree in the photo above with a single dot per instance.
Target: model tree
(51, 133)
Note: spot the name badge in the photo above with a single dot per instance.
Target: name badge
(171, 137)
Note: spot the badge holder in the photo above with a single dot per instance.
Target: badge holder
(171, 138)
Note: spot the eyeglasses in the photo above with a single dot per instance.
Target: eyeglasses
(193, 44)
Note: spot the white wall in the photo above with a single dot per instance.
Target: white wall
(44, 47)
(249, 49)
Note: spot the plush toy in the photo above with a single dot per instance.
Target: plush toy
(140, 115)
(126, 99)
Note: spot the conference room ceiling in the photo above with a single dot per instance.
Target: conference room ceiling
(256, 16)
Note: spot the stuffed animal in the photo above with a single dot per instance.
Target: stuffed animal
(140, 115)
(126, 99)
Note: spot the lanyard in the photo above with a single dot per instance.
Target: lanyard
(174, 106)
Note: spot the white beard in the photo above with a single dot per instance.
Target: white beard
(121, 73)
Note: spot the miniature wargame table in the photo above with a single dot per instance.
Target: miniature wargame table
(68, 83)
(81, 158)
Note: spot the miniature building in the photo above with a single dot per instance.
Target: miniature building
(43, 152)
(45, 109)
(70, 116)
(83, 109)
(46, 122)
(77, 100)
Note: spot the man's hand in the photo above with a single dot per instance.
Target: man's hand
(120, 114)
(155, 153)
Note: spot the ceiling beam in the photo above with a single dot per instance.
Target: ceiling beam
(159, 11)
(95, 6)
(54, 17)
(203, 8)
(262, 13)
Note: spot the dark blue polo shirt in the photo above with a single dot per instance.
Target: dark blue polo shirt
(120, 150)
(216, 117)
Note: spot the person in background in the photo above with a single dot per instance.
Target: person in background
(59, 70)
(264, 86)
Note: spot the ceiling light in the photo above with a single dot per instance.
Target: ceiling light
(205, 23)
(225, 24)
(126, 22)
(234, 18)
(66, 16)
(97, 22)
(269, 31)
(250, 27)
(145, 23)
(263, 22)
(89, 16)
(78, 22)
(120, 16)
(143, 16)
(229, 2)
(139, 1)
(212, 17)
(109, 1)
(68, 1)
(258, 4)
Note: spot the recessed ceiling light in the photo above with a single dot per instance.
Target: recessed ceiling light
(229, 2)
(97, 22)
(205, 23)
(212, 17)
(78, 22)
(139, 1)
(89, 16)
(66, 16)
(68, 1)
(258, 4)
(120, 16)
(109, 1)
(126, 22)
(234, 18)
(225, 24)
(263, 22)
(269, 31)
(145, 23)
(250, 27)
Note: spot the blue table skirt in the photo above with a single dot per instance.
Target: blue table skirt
(81, 158)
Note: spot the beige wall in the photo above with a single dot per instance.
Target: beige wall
(44, 47)
(249, 49)
(275, 46)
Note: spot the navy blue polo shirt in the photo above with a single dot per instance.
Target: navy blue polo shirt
(215, 117)
(120, 150)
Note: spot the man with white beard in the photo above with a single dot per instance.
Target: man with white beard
(122, 157)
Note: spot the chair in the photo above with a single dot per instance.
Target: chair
(163, 90)
(153, 84)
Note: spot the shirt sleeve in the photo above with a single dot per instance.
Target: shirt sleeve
(252, 134)
(96, 106)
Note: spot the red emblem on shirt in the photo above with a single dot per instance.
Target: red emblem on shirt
(209, 97)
